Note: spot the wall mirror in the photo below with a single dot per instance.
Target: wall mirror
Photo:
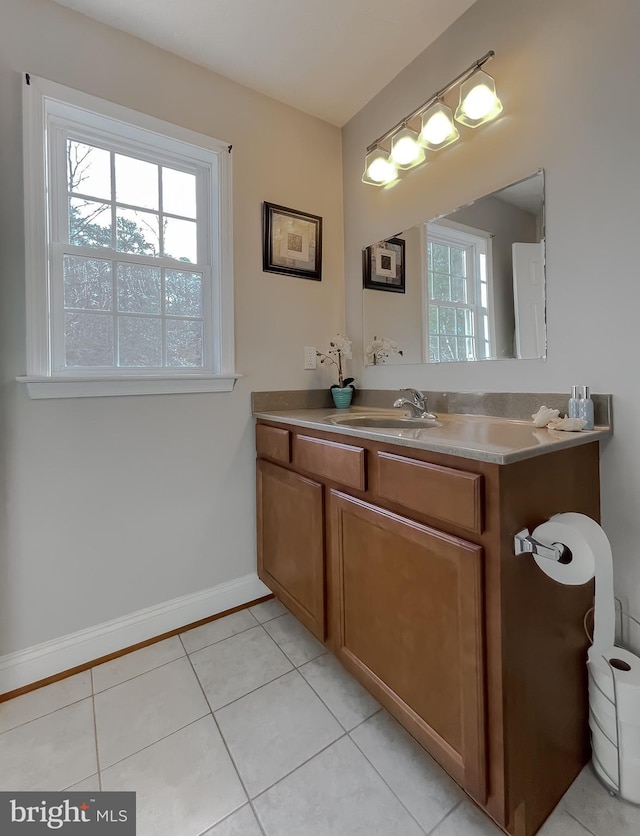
(468, 285)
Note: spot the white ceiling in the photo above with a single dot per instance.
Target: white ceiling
(326, 57)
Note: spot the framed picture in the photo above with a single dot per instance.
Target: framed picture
(383, 266)
(292, 242)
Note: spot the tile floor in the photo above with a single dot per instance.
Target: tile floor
(246, 727)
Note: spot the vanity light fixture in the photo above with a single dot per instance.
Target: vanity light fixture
(405, 147)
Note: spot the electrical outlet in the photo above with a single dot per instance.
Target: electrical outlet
(310, 361)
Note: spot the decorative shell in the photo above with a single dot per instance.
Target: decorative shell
(567, 424)
(544, 415)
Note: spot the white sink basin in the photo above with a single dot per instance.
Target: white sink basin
(384, 422)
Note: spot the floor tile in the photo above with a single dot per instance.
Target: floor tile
(217, 630)
(268, 610)
(132, 664)
(274, 729)
(337, 792)
(346, 699)
(419, 782)
(467, 819)
(185, 783)
(50, 753)
(44, 700)
(90, 784)
(140, 711)
(242, 823)
(235, 666)
(589, 802)
(560, 823)
(294, 639)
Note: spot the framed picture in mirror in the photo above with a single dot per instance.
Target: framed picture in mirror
(292, 242)
(383, 266)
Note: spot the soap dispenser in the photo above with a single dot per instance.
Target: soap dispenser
(581, 405)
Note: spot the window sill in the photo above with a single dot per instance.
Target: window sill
(98, 387)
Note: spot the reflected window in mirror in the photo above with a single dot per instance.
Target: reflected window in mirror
(474, 282)
(457, 319)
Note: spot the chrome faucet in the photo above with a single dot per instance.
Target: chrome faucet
(417, 404)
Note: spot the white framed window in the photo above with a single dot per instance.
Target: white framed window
(458, 313)
(129, 250)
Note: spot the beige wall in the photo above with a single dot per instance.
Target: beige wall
(567, 73)
(116, 504)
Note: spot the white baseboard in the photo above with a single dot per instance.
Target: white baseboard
(49, 658)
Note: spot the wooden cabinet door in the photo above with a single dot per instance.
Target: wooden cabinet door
(407, 621)
(291, 542)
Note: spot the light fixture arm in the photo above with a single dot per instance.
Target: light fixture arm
(460, 79)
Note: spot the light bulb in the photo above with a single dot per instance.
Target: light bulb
(405, 150)
(479, 101)
(378, 168)
(381, 170)
(437, 129)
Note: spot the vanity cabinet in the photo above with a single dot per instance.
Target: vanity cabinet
(410, 626)
(402, 561)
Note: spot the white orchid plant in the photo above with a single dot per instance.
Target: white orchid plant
(379, 351)
(338, 353)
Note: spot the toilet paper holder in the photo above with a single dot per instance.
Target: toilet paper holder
(524, 543)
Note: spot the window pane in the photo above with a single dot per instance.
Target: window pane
(434, 352)
(429, 256)
(465, 322)
(441, 258)
(178, 192)
(136, 182)
(88, 339)
(140, 341)
(458, 262)
(183, 293)
(433, 319)
(184, 343)
(441, 288)
(89, 223)
(458, 289)
(448, 349)
(469, 323)
(447, 321)
(88, 170)
(466, 348)
(180, 240)
(87, 283)
(138, 288)
(137, 232)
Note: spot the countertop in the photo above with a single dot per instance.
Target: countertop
(480, 437)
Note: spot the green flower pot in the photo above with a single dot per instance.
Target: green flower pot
(342, 397)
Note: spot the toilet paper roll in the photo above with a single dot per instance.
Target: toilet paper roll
(591, 556)
(614, 718)
(624, 666)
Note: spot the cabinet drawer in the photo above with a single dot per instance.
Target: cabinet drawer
(341, 463)
(443, 493)
(273, 443)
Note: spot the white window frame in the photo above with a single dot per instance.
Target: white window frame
(49, 108)
(479, 241)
